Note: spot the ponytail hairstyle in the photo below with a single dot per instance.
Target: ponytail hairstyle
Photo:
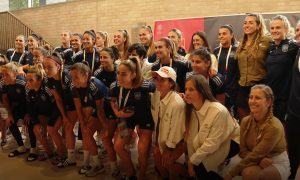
(134, 66)
(58, 61)
(70, 33)
(270, 97)
(230, 28)
(24, 37)
(113, 51)
(92, 33)
(48, 49)
(202, 86)
(3, 59)
(203, 36)
(151, 43)
(105, 36)
(179, 34)
(37, 37)
(84, 68)
(42, 50)
(127, 43)
(168, 44)
(11, 66)
(204, 54)
(38, 70)
(253, 47)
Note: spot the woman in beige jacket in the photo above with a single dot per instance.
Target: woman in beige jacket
(212, 134)
(168, 111)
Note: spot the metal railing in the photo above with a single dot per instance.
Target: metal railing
(10, 27)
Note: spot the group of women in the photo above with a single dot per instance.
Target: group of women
(181, 102)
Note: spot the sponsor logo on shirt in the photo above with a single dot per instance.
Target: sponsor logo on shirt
(285, 48)
(43, 97)
(137, 95)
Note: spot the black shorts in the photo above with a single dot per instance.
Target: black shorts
(70, 107)
(109, 113)
(279, 109)
(144, 123)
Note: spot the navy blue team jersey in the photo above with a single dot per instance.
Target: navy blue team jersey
(181, 67)
(63, 88)
(67, 56)
(61, 49)
(28, 59)
(16, 57)
(151, 59)
(79, 56)
(279, 68)
(106, 77)
(216, 84)
(138, 97)
(42, 102)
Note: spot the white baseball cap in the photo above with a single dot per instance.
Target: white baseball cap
(165, 72)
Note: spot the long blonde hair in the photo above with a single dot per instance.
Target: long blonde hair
(270, 97)
(253, 47)
(151, 44)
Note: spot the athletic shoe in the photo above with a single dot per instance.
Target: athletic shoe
(11, 144)
(113, 175)
(94, 171)
(23, 136)
(84, 169)
(8, 133)
(103, 154)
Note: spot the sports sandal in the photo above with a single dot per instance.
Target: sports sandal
(45, 156)
(32, 157)
(65, 163)
(57, 160)
(15, 153)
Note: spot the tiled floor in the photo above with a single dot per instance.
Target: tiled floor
(19, 168)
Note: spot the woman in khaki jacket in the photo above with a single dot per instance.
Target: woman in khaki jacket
(212, 133)
(168, 111)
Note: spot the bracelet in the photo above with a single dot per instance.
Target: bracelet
(228, 174)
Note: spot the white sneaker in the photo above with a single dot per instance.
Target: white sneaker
(27, 142)
(150, 161)
(94, 171)
(113, 175)
(11, 144)
(103, 154)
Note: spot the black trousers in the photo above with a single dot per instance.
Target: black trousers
(292, 126)
(14, 128)
(201, 172)
(31, 135)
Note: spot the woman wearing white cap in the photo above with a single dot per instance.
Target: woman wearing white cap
(168, 111)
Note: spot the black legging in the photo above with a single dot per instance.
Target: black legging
(79, 137)
(31, 135)
(201, 172)
(292, 128)
(14, 128)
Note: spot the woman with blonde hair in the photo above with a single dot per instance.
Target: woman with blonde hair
(147, 40)
(123, 42)
(263, 146)
(251, 55)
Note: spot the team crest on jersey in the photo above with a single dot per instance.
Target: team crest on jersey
(285, 48)
(97, 59)
(43, 97)
(90, 96)
(232, 54)
(18, 90)
(137, 95)
(64, 86)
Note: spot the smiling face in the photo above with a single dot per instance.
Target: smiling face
(191, 94)
(65, 37)
(174, 37)
(32, 42)
(225, 37)
(32, 81)
(38, 57)
(163, 85)
(197, 42)
(78, 79)
(298, 33)
(250, 25)
(125, 76)
(199, 65)
(20, 42)
(278, 31)
(99, 40)
(161, 50)
(119, 38)
(8, 76)
(258, 103)
(105, 59)
(88, 41)
(145, 37)
(76, 42)
(50, 68)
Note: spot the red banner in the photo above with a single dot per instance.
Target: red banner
(186, 26)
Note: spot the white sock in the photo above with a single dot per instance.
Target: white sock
(21, 149)
(97, 160)
(33, 151)
(114, 165)
(127, 147)
(86, 158)
(71, 156)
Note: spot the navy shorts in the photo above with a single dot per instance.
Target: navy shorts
(144, 123)
(109, 113)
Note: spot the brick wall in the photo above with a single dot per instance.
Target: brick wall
(110, 15)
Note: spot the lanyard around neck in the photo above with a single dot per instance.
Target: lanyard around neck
(120, 98)
(93, 58)
(171, 62)
(226, 66)
(12, 56)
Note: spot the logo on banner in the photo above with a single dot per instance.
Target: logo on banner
(159, 28)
